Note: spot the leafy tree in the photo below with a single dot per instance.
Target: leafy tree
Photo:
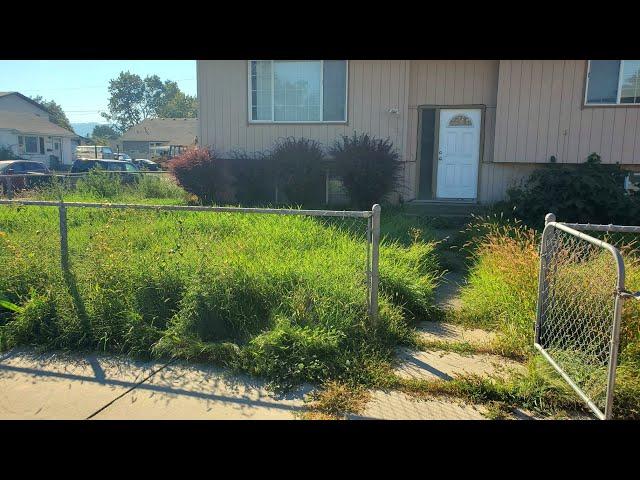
(132, 99)
(56, 114)
(127, 95)
(179, 106)
(103, 133)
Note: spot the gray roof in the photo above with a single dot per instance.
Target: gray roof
(31, 123)
(175, 131)
(27, 99)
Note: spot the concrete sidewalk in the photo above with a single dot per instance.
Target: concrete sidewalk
(56, 386)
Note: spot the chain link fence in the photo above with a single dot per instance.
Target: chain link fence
(580, 296)
(354, 235)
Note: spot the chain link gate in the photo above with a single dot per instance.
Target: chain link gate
(581, 289)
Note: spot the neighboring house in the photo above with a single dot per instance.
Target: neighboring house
(26, 129)
(466, 130)
(145, 138)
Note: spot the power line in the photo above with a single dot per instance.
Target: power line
(92, 86)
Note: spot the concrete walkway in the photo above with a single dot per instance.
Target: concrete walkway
(55, 386)
(439, 365)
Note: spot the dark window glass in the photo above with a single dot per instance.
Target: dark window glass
(603, 81)
(334, 90)
(31, 144)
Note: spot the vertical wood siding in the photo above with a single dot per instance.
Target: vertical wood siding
(374, 88)
(540, 113)
(450, 83)
(533, 110)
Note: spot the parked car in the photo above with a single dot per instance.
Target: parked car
(129, 172)
(122, 157)
(94, 151)
(23, 167)
(145, 164)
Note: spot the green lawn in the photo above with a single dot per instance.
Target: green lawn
(282, 297)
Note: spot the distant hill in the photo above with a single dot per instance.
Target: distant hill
(84, 129)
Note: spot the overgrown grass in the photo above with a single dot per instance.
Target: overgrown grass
(100, 186)
(335, 400)
(537, 390)
(501, 295)
(281, 297)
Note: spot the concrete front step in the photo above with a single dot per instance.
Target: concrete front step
(443, 209)
(452, 333)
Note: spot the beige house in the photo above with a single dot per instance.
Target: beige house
(25, 128)
(466, 129)
(152, 137)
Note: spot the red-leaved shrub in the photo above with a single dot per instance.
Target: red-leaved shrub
(201, 173)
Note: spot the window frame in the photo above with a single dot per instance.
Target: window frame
(320, 122)
(22, 147)
(618, 92)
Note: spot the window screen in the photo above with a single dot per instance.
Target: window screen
(630, 86)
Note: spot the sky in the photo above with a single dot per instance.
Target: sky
(80, 86)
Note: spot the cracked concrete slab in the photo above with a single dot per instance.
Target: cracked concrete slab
(183, 391)
(60, 386)
(452, 333)
(400, 406)
(435, 365)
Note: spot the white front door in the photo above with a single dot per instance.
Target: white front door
(458, 153)
(57, 148)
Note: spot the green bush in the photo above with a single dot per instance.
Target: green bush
(101, 184)
(587, 192)
(369, 168)
(152, 186)
(7, 154)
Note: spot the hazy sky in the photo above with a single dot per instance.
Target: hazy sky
(80, 86)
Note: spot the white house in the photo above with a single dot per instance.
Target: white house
(26, 129)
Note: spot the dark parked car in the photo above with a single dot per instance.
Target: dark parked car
(37, 174)
(128, 171)
(144, 164)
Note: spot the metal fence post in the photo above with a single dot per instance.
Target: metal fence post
(375, 257)
(615, 337)
(545, 245)
(64, 244)
(9, 188)
(368, 271)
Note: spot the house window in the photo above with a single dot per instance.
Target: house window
(29, 144)
(613, 82)
(298, 91)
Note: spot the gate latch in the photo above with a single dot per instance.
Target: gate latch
(628, 294)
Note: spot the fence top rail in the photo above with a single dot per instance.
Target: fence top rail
(603, 228)
(81, 174)
(617, 257)
(195, 208)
